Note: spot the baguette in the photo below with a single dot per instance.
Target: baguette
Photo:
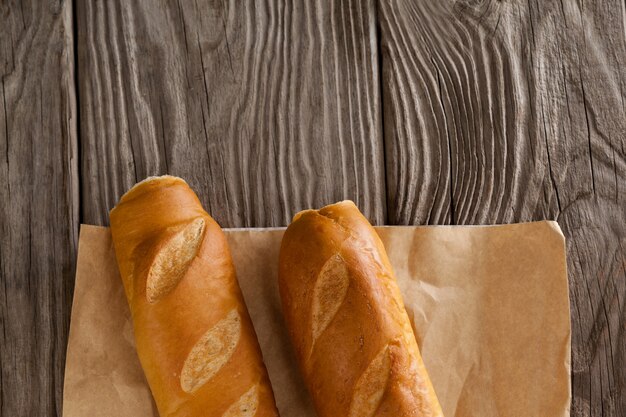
(194, 337)
(344, 312)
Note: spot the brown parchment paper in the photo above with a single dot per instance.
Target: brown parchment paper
(489, 304)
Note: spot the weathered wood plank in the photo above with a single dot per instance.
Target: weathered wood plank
(265, 108)
(503, 111)
(39, 215)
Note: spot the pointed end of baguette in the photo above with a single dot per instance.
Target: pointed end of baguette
(324, 209)
(146, 184)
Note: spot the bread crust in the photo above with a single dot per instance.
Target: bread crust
(344, 312)
(194, 337)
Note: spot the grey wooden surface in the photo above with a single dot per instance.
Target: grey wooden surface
(39, 206)
(423, 112)
(511, 111)
(266, 108)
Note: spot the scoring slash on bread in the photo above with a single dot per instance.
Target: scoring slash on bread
(194, 337)
(346, 318)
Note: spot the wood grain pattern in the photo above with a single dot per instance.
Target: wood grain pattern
(493, 111)
(38, 203)
(506, 111)
(266, 108)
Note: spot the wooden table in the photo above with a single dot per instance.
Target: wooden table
(421, 111)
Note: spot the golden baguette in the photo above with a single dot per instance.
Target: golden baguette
(344, 312)
(194, 337)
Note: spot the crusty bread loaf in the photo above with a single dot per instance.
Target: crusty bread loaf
(345, 315)
(194, 337)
